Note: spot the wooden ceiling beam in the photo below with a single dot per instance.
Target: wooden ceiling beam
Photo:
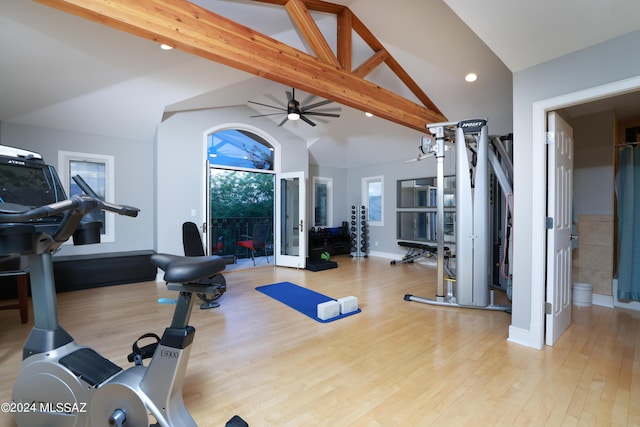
(315, 5)
(345, 39)
(303, 20)
(201, 32)
(372, 63)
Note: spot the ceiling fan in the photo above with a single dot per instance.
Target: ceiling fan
(299, 111)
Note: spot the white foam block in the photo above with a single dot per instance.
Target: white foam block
(348, 304)
(329, 309)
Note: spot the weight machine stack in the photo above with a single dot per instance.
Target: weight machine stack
(358, 232)
(470, 288)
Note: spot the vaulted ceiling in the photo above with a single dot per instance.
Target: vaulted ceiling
(66, 72)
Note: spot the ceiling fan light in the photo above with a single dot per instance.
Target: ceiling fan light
(293, 116)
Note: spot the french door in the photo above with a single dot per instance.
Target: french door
(290, 237)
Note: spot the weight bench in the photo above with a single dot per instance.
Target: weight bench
(418, 250)
(424, 250)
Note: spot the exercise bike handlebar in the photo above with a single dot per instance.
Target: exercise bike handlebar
(13, 212)
(106, 206)
(80, 204)
(72, 209)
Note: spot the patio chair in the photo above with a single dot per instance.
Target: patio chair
(257, 240)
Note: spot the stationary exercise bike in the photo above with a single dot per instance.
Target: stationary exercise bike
(64, 384)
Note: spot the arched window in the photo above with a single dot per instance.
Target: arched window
(239, 148)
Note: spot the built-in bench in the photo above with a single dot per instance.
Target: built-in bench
(74, 272)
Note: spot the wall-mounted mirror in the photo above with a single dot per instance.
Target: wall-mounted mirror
(421, 226)
(421, 192)
(322, 201)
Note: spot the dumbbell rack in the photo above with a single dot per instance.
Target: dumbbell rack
(358, 233)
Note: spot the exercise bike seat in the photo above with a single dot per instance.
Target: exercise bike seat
(182, 269)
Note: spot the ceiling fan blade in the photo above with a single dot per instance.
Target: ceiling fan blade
(267, 105)
(307, 120)
(308, 99)
(276, 101)
(317, 113)
(317, 104)
(335, 109)
(291, 95)
(284, 121)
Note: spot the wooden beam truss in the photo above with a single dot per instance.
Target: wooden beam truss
(201, 32)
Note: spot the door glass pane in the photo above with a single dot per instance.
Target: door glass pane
(290, 216)
(238, 201)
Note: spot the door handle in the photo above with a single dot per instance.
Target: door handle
(301, 228)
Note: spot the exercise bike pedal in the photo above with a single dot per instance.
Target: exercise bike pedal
(138, 354)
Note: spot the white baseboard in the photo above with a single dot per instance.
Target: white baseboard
(602, 300)
(522, 337)
(387, 255)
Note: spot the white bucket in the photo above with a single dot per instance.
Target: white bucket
(582, 294)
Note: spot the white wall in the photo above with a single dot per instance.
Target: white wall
(133, 178)
(593, 163)
(180, 162)
(608, 62)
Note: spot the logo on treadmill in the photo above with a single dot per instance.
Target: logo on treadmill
(472, 125)
(16, 162)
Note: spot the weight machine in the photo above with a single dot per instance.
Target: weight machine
(475, 155)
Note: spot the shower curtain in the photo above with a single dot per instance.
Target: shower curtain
(628, 194)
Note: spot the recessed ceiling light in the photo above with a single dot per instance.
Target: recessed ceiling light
(471, 77)
(165, 47)
(368, 114)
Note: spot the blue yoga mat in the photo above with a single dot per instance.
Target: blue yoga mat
(301, 299)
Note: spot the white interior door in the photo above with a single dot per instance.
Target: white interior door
(291, 242)
(559, 207)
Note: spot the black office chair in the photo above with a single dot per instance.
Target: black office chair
(192, 244)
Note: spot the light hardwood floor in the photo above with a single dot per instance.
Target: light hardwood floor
(397, 363)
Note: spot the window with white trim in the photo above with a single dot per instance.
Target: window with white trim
(97, 170)
(373, 199)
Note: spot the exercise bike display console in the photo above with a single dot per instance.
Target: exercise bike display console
(62, 383)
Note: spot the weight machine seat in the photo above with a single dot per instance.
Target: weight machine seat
(180, 269)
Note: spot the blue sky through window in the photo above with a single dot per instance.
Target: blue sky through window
(239, 148)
